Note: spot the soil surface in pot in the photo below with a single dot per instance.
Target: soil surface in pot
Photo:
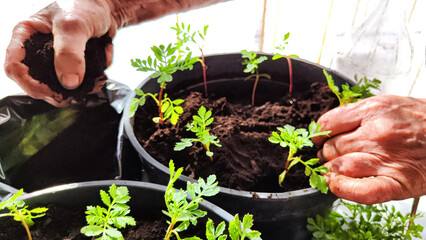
(39, 57)
(65, 223)
(247, 160)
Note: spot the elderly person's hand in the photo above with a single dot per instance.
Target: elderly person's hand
(72, 24)
(377, 149)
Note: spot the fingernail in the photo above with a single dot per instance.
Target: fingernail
(70, 81)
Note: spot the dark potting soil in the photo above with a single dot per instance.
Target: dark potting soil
(39, 57)
(246, 160)
(64, 223)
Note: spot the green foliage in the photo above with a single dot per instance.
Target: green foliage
(20, 212)
(365, 222)
(199, 127)
(296, 139)
(165, 62)
(251, 61)
(350, 94)
(169, 108)
(105, 222)
(238, 231)
(183, 212)
(281, 48)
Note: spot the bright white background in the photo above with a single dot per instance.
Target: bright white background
(235, 25)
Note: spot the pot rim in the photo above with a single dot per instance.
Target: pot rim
(128, 129)
(128, 183)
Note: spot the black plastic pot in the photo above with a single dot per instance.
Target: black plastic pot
(144, 197)
(277, 215)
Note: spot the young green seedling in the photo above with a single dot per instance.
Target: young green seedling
(251, 61)
(184, 35)
(281, 48)
(181, 211)
(365, 222)
(105, 222)
(169, 108)
(20, 212)
(164, 63)
(296, 139)
(199, 127)
(350, 94)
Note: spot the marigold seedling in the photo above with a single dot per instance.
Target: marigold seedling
(281, 48)
(350, 94)
(105, 222)
(164, 63)
(296, 139)
(252, 62)
(365, 222)
(181, 211)
(20, 212)
(199, 127)
(239, 231)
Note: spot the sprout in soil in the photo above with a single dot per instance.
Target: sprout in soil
(364, 222)
(296, 139)
(199, 127)
(281, 48)
(105, 222)
(164, 63)
(20, 212)
(350, 94)
(252, 62)
(181, 211)
(184, 36)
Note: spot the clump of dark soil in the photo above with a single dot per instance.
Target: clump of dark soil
(246, 160)
(39, 57)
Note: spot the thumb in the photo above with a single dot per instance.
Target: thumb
(70, 36)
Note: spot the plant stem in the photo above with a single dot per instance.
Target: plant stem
(169, 231)
(203, 65)
(208, 150)
(290, 73)
(160, 95)
(414, 209)
(27, 229)
(254, 87)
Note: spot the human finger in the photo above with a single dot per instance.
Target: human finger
(365, 190)
(341, 120)
(359, 165)
(70, 34)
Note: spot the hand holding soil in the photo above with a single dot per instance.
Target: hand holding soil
(377, 149)
(72, 23)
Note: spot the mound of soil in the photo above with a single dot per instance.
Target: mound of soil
(246, 160)
(39, 57)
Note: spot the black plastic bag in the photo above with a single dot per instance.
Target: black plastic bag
(43, 146)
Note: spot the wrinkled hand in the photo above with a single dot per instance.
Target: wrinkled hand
(377, 149)
(73, 23)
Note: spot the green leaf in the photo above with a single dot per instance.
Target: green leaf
(105, 198)
(91, 231)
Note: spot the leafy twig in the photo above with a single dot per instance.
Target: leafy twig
(281, 47)
(106, 222)
(199, 127)
(182, 212)
(365, 222)
(20, 212)
(296, 139)
(164, 63)
(350, 94)
(251, 61)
